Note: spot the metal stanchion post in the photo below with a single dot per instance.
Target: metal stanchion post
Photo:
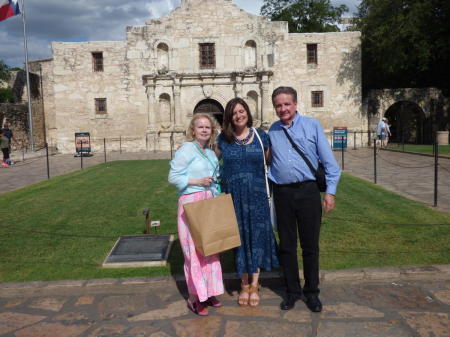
(354, 140)
(104, 147)
(342, 154)
(23, 152)
(436, 158)
(120, 144)
(48, 166)
(375, 161)
(81, 153)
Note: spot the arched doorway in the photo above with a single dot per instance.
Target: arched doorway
(408, 123)
(211, 107)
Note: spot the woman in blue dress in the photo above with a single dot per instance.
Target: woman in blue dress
(243, 176)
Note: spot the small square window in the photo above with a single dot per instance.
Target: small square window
(317, 99)
(311, 53)
(97, 61)
(207, 55)
(100, 106)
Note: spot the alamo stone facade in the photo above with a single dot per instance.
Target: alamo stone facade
(205, 52)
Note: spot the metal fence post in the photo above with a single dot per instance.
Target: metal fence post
(342, 154)
(104, 148)
(436, 158)
(48, 166)
(120, 144)
(354, 140)
(375, 161)
(81, 153)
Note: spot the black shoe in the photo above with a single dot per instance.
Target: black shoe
(289, 302)
(313, 303)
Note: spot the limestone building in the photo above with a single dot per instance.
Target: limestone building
(205, 52)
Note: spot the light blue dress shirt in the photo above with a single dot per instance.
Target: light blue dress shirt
(288, 167)
(189, 162)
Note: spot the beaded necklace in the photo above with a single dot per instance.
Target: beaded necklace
(245, 140)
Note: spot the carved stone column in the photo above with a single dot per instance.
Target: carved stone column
(177, 103)
(266, 104)
(151, 101)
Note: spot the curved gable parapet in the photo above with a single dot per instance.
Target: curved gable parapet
(211, 18)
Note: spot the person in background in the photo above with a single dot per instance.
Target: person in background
(192, 172)
(298, 204)
(4, 145)
(387, 131)
(9, 134)
(243, 176)
(381, 131)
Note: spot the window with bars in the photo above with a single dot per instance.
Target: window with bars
(100, 106)
(311, 53)
(317, 99)
(207, 55)
(97, 61)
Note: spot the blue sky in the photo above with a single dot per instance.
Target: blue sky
(87, 20)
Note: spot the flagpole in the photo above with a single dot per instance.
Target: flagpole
(30, 114)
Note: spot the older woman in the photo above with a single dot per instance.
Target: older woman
(192, 172)
(243, 176)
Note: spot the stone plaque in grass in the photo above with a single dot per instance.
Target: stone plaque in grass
(139, 251)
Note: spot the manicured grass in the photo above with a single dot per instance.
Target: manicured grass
(64, 228)
(444, 150)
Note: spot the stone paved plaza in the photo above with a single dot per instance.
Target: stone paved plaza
(394, 302)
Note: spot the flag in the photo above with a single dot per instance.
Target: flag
(8, 8)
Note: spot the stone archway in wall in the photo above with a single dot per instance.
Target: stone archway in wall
(211, 107)
(413, 113)
(408, 123)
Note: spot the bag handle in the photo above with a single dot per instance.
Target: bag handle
(313, 170)
(265, 165)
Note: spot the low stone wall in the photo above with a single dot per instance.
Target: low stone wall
(17, 117)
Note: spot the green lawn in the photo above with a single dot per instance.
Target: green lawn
(63, 228)
(444, 150)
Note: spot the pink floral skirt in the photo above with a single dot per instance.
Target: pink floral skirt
(203, 273)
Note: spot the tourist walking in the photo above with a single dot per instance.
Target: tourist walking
(4, 145)
(242, 149)
(297, 198)
(192, 171)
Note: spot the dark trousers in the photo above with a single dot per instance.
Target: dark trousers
(298, 208)
(5, 153)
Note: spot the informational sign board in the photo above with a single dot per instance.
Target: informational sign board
(340, 137)
(82, 142)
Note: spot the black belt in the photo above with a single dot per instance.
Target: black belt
(295, 185)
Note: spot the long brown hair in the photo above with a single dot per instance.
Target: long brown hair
(228, 127)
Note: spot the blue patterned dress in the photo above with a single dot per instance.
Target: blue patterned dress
(242, 175)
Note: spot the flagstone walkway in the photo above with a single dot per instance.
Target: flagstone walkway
(395, 302)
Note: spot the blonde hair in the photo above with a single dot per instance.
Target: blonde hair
(190, 131)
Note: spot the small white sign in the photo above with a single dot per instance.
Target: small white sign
(155, 223)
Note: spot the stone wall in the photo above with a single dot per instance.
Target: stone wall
(153, 81)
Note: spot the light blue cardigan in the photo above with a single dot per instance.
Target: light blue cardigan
(189, 163)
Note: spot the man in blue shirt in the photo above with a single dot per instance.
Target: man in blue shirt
(298, 203)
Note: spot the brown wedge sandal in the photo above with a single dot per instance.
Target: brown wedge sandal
(244, 295)
(254, 299)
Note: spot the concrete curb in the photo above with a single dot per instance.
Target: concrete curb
(410, 273)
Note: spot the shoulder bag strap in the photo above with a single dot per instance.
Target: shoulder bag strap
(265, 166)
(313, 170)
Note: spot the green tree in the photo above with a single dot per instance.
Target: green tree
(305, 16)
(5, 71)
(405, 43)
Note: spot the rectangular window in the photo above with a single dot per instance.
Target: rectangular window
(311, 53)
(317, 99)
(100, 106)
(97, 61)
(207, 55)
